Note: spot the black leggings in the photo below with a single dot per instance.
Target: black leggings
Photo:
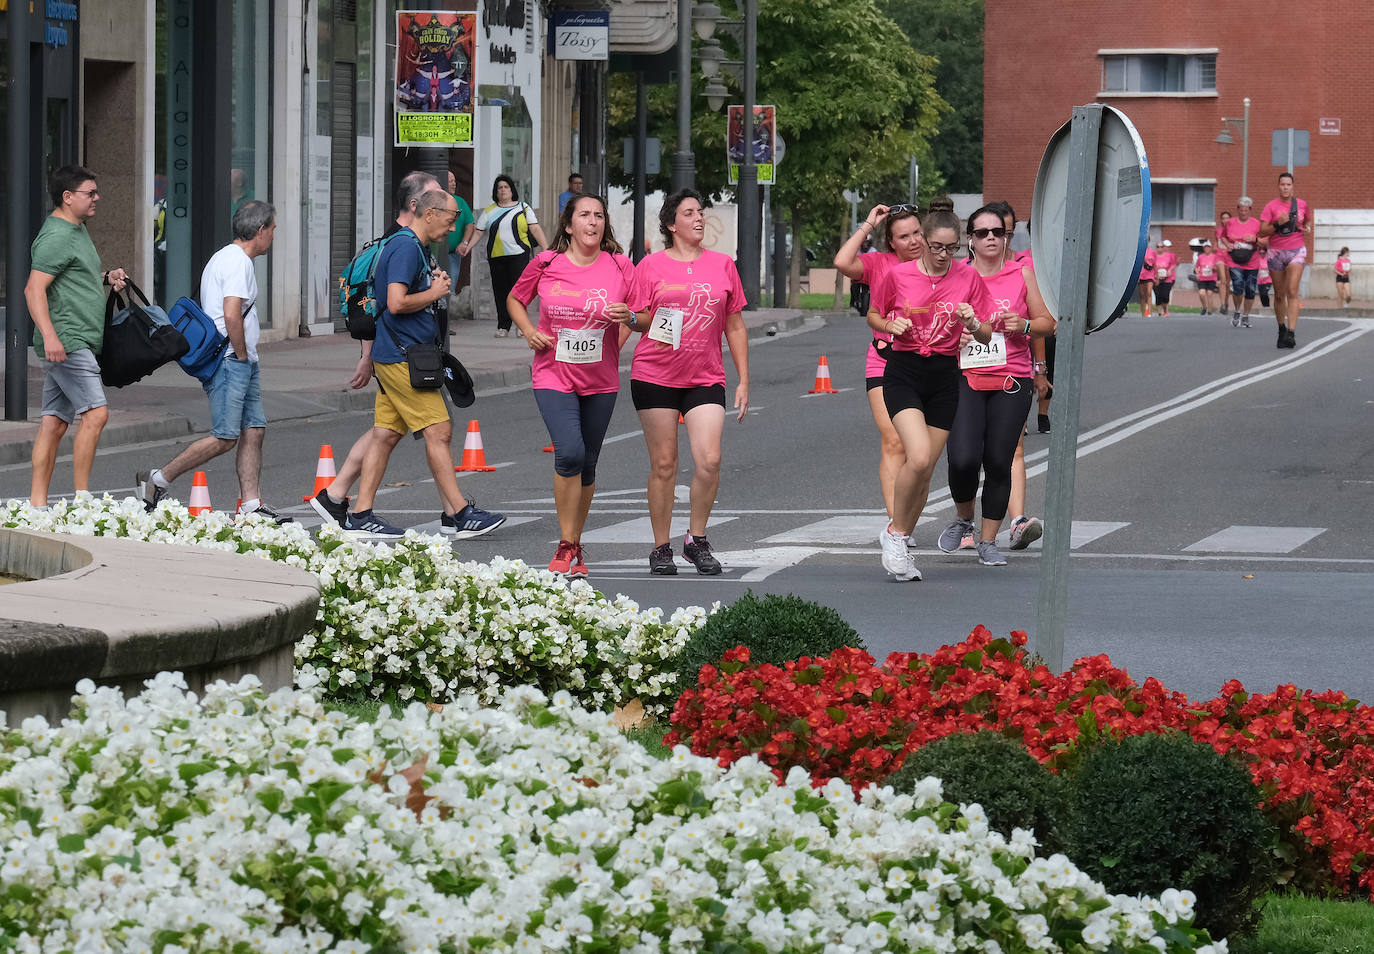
(505, 272)
(1162, 292)
(577, 425)
(987, 426)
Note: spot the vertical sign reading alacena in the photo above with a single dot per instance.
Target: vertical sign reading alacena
(435, 78)
(178, 223)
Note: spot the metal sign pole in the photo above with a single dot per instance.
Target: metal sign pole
(1073, 302)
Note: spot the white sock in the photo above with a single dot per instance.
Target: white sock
(248, 506)
(157, 478)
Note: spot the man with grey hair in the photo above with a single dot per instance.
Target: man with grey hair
(229, 294)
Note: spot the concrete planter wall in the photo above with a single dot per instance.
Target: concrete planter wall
(119, 611)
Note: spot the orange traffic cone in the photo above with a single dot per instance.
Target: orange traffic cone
(549, 449)
(200, 495)
(474, 457)
(324, 472)
(823, 379)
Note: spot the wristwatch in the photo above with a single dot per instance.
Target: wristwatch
(1040, 367)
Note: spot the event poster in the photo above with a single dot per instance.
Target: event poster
(435, 77)
(765, 127)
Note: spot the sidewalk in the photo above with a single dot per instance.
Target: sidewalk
(300, 377)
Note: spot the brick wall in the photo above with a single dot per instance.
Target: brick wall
(1297, 63)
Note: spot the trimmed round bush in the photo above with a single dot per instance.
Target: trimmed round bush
(1161, 811)
(1015, 790)
(776, 630)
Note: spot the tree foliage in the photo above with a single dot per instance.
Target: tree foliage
(951, 32)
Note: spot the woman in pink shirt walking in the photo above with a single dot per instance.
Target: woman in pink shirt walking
(685, 298)
(1286, 222)
(582, 283)
(1343, 276)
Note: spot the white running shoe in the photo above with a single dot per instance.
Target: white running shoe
(897, 560)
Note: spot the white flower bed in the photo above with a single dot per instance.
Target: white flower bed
(252, 823)
(415, 620)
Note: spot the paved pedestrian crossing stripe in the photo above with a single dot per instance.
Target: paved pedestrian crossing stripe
(639, 530)
(1241, 539)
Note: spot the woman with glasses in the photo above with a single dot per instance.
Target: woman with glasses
(904, 243)
(582, 284)
(686, 298)
(995, 390)
(924, 304)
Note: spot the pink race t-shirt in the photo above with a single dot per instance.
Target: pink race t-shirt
(1223, 259)
(1244, 233)
(1147, 270)
(875, 265)
(1205, 267)
(931, 304)
(1276, 207)
(1166, 266)
(707, 291)
(574, 298)
(1342, 266)
(1008, 290)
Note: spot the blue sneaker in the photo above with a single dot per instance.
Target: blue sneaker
(470, 522)
(368, 526)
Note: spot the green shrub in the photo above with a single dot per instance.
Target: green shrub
(1161, 811)
(777, 630)
(1015, 790)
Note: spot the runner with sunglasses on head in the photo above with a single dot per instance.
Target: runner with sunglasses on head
(904, 241)
(582, 283)
(925, 304)
(995, 390)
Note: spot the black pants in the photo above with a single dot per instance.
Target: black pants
(987, 427)
(1162, 292)
(505, 272)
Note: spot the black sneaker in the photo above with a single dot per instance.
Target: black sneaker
(368, 526)
(328, 510)
(1042, 421)
(470, 522)
(1291, 338)
(1283, 337)
(149, 492)
(262, 510)
(661, 561)
(698, 553)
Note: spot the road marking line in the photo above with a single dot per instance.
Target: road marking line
(1243, 539)
(639, 530)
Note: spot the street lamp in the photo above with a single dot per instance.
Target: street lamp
(705, 16)
(715, 93)
(1226, 139)
(711, 56)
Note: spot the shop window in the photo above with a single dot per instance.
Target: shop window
(1148, 73)
(1182, 202)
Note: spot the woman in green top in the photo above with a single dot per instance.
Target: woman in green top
(511, 223)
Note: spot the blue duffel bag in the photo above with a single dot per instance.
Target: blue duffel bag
(207, 343)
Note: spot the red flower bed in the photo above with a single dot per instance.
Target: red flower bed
(844, 716)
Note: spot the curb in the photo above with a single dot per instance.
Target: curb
(18, 451)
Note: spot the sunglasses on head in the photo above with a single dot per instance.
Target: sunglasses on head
(901, 208)
(998, 232)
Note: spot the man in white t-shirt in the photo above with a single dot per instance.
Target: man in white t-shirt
(229, 295)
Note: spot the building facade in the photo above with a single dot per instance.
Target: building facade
(1182, 75)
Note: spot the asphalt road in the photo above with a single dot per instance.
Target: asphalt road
(1222, 515)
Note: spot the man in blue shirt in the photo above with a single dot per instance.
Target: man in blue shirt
(574, 187)
(406, 291)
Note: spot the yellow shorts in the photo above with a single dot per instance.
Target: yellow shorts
(399, 406)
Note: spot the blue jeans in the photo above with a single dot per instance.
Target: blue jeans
(235, 399)
(1244, 282)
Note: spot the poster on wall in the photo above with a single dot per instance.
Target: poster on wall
(435, 78)
(765, 126)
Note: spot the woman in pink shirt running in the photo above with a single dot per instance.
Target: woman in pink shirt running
(1286, 222)
(685, 298)
(904, 243)
(1343, 276)
(925, 304)
(582, 283)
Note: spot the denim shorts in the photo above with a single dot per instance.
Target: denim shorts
(1244, 282)
(73, 386)
(235, 399)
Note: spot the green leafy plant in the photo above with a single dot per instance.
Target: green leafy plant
(1156, 811)
(776, 630)
(986, 767)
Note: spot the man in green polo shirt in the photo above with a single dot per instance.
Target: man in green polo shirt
(67, 304)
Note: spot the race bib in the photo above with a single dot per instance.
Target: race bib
(990, 355)
(1161, 273)
(579, 345)
(666, 326)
